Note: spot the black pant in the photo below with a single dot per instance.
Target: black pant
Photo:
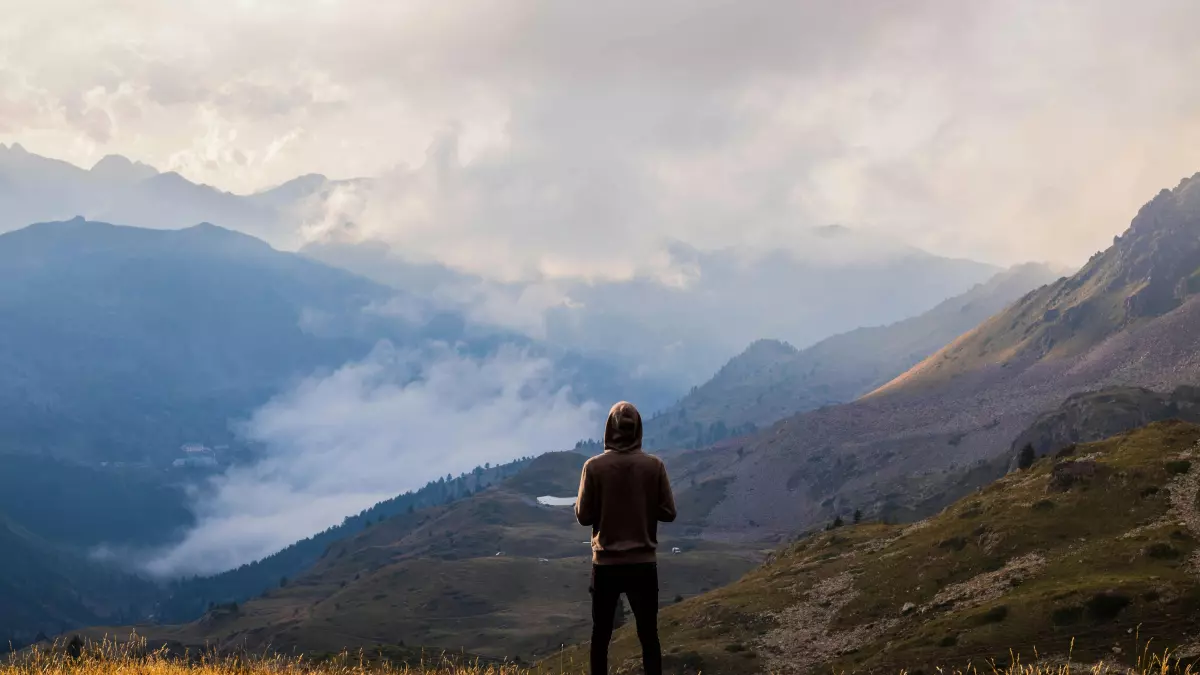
(639, 583)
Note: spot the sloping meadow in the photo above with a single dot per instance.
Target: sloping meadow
(1086, 557)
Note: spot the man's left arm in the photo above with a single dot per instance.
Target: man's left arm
(666, 500)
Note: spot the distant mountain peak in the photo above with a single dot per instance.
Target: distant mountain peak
(122, 169)
(768, 346)
(833, 230)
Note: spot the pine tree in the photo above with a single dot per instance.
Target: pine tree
(1026, 456)
(857, 516)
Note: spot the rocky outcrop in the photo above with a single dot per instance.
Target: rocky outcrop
(1093, 415)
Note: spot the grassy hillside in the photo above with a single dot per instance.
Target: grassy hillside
(188, 599)
(495, 574)
(1098, 547)
(47, 589)
(772, 379)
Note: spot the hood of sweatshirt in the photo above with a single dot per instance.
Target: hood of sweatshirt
(623, 431)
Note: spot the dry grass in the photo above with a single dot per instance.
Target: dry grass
(133, 657)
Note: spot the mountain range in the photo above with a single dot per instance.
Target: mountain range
(118, 190)
(877, 423)
(679, 333)
(674, 332)
(772, 380)
(123, 345)
(1126, 318)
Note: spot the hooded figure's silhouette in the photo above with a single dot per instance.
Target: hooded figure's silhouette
(623, 495)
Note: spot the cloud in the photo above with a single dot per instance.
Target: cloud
(584, 136)
(369, 431)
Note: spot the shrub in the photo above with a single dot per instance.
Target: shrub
(735, 647)
(953, 543)
(1178, 466)
(1106, 606)
(1066, 615)
(994, 615)
(1043, 505)
(948, 641)
(1162, 551)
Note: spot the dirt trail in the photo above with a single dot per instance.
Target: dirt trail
(803, 638)
(987, 586)
(1184, 490)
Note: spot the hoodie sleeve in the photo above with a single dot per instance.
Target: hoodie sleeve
(666, 500)
(585, 512)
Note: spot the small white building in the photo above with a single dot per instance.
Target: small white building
(200, 461)
(675, 550)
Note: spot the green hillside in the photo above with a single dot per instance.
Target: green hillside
(47, 589)
(1098, 547)
(495, 574)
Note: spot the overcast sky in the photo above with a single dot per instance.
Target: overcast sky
(1000, 130)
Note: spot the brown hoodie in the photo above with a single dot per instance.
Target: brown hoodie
(624, 493)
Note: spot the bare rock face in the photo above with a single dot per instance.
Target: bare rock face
(1093, 415)
(1161, 252)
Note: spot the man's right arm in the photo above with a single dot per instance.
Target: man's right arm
(585, 511)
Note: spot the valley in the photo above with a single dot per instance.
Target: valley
(865, 503)
(495, 574)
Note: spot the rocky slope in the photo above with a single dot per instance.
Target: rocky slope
(772, 380)
(1131, 317)
(1090, 555)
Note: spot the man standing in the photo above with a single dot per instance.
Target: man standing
(623, 495)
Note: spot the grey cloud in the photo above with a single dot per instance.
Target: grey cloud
(998, 129)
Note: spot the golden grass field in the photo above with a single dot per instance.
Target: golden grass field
(132, 657)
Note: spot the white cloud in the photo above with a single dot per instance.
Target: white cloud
(367, 432)
(588, 134)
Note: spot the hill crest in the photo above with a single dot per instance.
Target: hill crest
(1152, 269)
